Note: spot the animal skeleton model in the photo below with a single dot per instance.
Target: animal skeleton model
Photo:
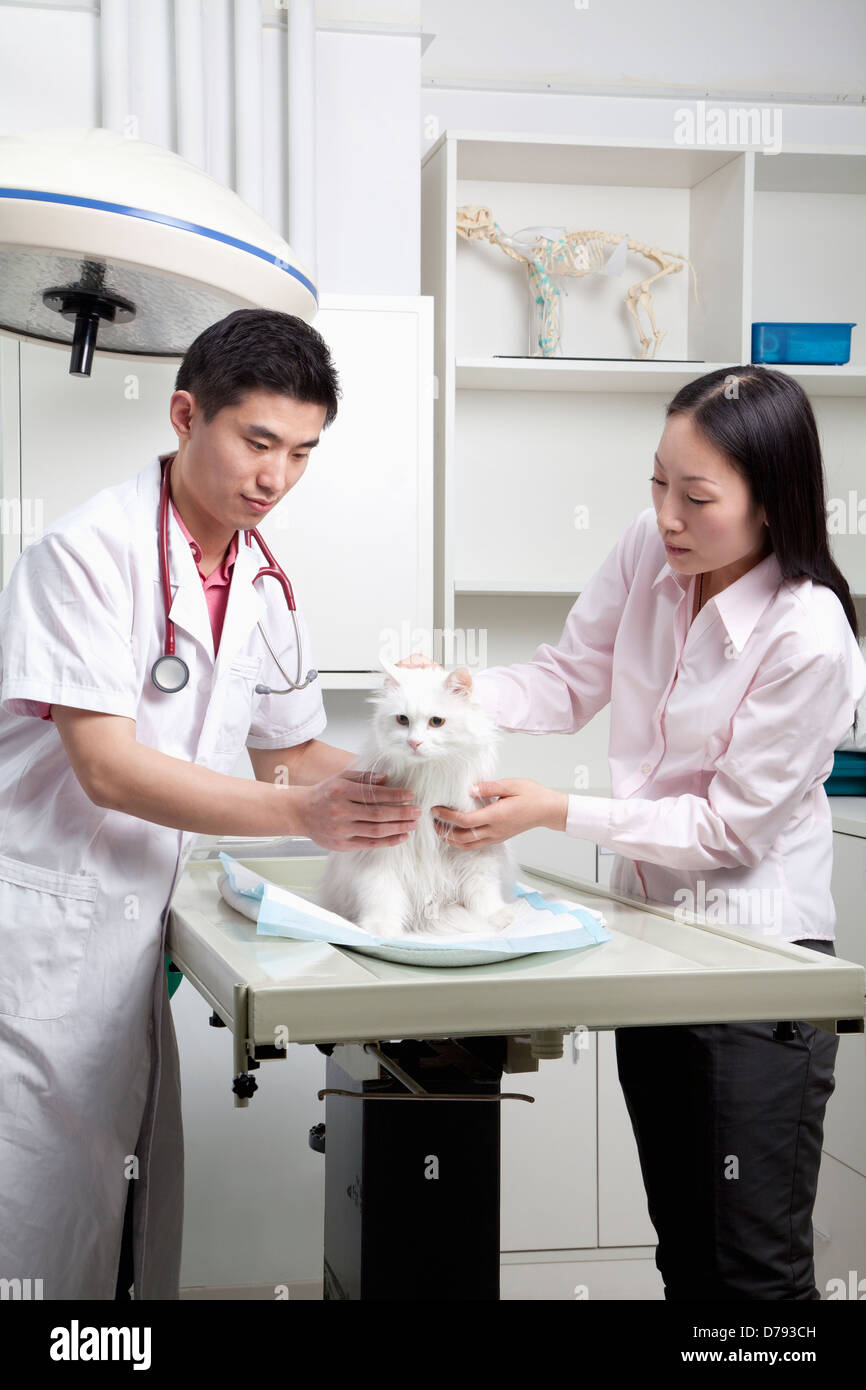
(551, 251)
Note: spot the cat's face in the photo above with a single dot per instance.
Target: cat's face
(424, 714)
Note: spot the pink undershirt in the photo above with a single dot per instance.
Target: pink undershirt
(216, 585)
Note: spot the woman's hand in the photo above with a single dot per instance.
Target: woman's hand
(522, 805)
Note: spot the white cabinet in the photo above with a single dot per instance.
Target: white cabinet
(845, 1119)
(78, 435)
(549, 1174)
(354, 535)
(603, 864)
(839, 1224)
(574, 1222)
(571, 1178)
(623, 1217)
(550, 852)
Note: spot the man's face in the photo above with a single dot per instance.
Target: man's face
(253, 451)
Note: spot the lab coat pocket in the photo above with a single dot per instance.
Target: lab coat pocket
(45, 922)
(237, 704)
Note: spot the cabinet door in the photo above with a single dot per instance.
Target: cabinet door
(355, 534)
(840, 1231)
(603, 865)
(845, 1118)
(623, 1218)
(82, 434)
(549, 1153)
(546, 851)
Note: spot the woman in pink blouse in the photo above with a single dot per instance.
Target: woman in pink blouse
(724, 638)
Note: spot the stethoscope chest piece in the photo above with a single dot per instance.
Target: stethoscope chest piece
(169, 673)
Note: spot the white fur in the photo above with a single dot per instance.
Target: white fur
(425, 884)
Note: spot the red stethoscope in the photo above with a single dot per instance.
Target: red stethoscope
(170, 672)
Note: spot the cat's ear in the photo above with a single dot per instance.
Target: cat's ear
(392, 676)
(459, 682)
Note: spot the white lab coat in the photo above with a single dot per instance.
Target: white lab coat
(89, 1073)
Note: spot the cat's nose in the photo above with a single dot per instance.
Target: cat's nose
(415, 742)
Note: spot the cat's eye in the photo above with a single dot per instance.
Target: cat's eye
(402, 719)
(436, 720)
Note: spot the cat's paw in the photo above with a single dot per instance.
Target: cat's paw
(502, 918)
(379, 926)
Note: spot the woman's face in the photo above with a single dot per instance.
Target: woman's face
(704, 507)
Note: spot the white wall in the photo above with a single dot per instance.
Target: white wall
(491, 64)
(369, 190)
(624, 69)
(790, 49)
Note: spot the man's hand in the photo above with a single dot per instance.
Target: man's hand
(522, 805)
(348, 812)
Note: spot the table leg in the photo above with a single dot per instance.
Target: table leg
(412, 1185)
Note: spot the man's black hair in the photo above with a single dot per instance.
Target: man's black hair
(259, 349)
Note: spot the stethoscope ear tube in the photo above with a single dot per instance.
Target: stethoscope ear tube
(169, 673)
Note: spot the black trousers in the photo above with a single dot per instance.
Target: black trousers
(729, 1125)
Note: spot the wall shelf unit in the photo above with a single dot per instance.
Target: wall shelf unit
(523, 444)
(553, 374)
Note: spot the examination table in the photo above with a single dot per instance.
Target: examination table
(416, 1054)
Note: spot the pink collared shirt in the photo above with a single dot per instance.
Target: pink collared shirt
(722, 732)
(216, 585)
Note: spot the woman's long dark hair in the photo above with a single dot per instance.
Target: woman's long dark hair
(763, 422)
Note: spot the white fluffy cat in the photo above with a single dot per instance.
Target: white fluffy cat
(428, 733)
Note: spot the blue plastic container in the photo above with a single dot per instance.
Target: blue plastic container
(828, 344)
(848, 777)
